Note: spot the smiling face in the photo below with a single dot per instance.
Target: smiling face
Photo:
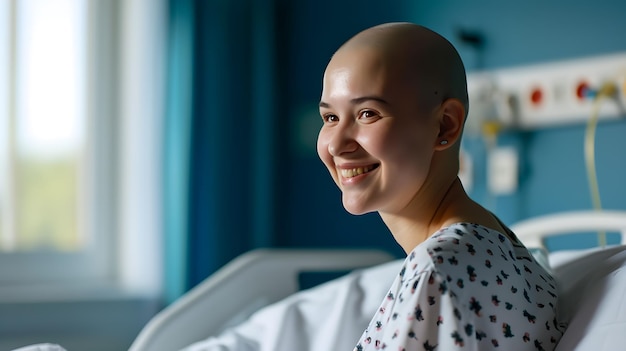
(378, 139)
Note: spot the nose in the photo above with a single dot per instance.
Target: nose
(342, 140)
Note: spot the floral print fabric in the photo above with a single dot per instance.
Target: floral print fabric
(467, 287)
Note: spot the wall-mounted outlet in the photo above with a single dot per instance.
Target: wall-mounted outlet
(502, 171)
(547, 94)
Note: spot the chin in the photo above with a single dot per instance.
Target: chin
(355, 208)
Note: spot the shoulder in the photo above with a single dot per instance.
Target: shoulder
(459, 239)
(461, 244)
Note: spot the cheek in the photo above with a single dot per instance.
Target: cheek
(322, 147)
(386, 143)
(405, 151)
(320, 144)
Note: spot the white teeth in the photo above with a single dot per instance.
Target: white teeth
(353, 172)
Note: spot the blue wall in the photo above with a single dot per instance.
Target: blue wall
(552, 175)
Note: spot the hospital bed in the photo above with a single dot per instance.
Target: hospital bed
(255, 303)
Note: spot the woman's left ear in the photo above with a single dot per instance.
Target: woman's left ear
(451, 122)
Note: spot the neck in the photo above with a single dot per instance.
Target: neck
(419, 221)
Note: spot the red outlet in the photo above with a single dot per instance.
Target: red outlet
(536, 96)
(582, 90)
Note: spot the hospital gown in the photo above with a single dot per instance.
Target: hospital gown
(467, 288)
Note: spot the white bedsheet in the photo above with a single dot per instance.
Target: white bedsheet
(331, 316)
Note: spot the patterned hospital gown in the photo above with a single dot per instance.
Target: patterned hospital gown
(467, 288)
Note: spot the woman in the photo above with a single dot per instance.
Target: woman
(394, 103)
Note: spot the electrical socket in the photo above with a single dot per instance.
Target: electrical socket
(547, 94)
(502, 170)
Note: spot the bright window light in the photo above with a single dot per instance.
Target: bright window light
(45, 128)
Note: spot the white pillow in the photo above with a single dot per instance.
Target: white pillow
(592, 300)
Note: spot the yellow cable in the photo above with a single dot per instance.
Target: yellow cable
(607, 90)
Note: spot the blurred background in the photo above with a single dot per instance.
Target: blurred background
(146, 143)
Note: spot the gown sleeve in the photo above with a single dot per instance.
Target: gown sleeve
(426, 316)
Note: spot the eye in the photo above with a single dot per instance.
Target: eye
(368, 116)
(330, 118)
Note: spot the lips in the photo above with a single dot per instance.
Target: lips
(353, 172)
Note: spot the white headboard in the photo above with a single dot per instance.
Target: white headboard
(533, 232)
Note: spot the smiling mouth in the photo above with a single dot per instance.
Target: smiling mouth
(353, 172)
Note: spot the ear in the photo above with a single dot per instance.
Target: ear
(451, 122)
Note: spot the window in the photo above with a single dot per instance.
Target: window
(45, 130)
(70, 206)
(46, 210)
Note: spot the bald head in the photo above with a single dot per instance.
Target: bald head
(424, 59)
